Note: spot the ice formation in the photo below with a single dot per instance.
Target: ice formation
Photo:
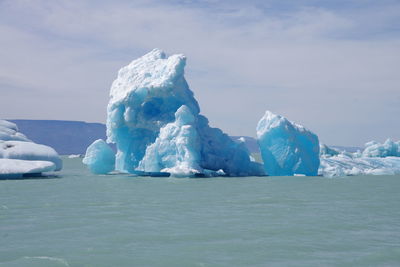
(18, 150)
(153, 118)
(387, 149)
(99, 157)
(325, 150)
(342, 165)
(9, 132)
(17, 167)
(155, 122)
(377, 159)
(287, 148)
(176, 149)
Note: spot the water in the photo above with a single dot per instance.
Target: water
(85, 220)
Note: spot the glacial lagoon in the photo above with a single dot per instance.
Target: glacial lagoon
(81, 219)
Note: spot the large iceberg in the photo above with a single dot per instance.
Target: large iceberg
(287, 148)
(19, 155)
(387, 149)
(155, 123)
(153, 118)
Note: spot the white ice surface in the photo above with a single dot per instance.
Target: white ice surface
(16, 166)
(16, 150)
(29, 151)
(9, 132)
(388, 149)
(343, 165)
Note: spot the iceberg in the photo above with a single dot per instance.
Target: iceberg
(20, 155)
(343, 165)
(29, 151)
(155, 122)
(287, 148)
(376, 159)
(387, 149)
(99, 157)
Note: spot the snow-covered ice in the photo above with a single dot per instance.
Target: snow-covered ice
(342, 165)
(29, 151)
(287, 148)
(153, 118)
(388, 149)
(24, 156)
(9, 132)
(16, 167)
(99, 157)
(376, 159)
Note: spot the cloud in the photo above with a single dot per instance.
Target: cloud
(333, 68)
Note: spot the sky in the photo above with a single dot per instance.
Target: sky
(332, 66)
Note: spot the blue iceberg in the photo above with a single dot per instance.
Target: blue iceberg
(155, 122)
(99, 157)
(176, 150)
(287, 148)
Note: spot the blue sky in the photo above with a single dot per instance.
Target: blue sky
(333, 66)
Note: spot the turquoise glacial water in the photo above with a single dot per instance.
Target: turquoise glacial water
(80, 219)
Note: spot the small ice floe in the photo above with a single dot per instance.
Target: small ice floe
(74, 156)
(20, 156)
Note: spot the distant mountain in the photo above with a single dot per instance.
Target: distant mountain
(73, 137)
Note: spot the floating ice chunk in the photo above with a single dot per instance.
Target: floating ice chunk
(99, 157)
(74, 156)
(387, 149)
(144, 98)
(152, 135)
(187, 148)
(286, 147)
(15, 168)
(343, 165)
(14, 145)
(29, 151)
